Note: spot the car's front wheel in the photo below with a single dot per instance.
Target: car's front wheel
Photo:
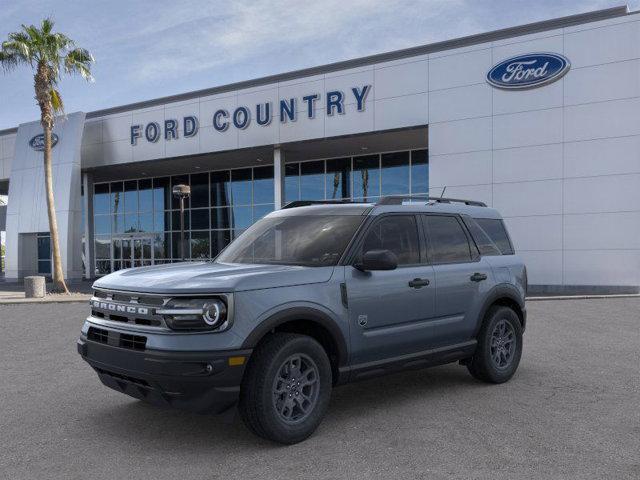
(286, 389)
(499, 349)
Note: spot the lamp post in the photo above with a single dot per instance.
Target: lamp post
(181, 192)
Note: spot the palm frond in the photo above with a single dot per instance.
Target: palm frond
(79, 60)
(56, 101)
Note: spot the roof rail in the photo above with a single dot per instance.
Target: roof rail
(306, 203)
(400, 199)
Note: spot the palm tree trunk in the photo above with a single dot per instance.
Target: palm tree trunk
(59, 284)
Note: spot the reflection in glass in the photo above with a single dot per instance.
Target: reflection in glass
(161, 221)
(117, 190)
(366, 177)
(312, 180)
(175, 220)
(102, 224)
(338, 179)
(102, 247)
(145, 222)
(118, 223)
(292, 182)
(420, 171)
(130, 196)
(161, 194)
(161, 245)
(220, 218)
(145, 195)
(220, 189)
(200, 219)
(200, 245)
(219, 240)
(395, 173)
(200, 190)
(241, 186)
(263, 185)
(260, 211)
(131, 222)
(101, 198)
(242, 217)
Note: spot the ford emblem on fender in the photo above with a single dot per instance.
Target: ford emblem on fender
(528, 71)
(37, 142)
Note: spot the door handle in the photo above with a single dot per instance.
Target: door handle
(418, 282)
(478, 277)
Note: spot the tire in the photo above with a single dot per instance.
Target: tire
(273, 403)
(495, 359)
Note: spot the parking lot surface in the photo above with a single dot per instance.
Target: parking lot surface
(571, 411)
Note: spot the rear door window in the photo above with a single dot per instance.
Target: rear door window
(495, 229)
(448, 241)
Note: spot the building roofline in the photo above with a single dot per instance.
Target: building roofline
(494, 35)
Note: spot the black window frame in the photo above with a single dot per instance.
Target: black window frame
(473, 248)
(353, 250)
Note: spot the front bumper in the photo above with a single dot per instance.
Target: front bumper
(202, 382)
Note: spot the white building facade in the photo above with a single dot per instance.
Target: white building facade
(540, 121)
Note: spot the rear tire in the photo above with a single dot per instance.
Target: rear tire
(499, 349)
(286, 389)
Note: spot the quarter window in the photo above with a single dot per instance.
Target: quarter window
(494, 228)
(447, 239)
(397, 233)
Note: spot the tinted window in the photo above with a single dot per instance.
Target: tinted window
(447, 240)
(494, 228)
(484, 243)
(397, 234)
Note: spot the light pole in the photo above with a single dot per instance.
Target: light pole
(181, 192)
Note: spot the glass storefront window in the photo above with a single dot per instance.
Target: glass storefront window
(338, 179)
(225, 203)
(117, 191)
(420, 171)
(131, 196)
(220, 189)
(241, 186)
(101, 199)
(263, 185)
(312, 180)
(366, 177)
(200, 190)
(395, 173)
(145, 195)
(292, 182)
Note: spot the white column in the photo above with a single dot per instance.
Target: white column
(278, 177)
(87, 186)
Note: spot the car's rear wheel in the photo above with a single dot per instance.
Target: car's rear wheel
(499, 349)
(286, 389)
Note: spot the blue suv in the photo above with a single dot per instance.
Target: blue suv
(312, 296)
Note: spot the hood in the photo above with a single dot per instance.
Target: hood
(210, 277)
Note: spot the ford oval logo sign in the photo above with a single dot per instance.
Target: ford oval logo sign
(528, 71)
(37, 142)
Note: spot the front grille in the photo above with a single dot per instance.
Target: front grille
(128, 308)
(98, 335)
(134, 342)
(122, 340)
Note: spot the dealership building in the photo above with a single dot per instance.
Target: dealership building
(541, 121)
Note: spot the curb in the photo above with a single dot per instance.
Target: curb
(20, 301)
(582, 297)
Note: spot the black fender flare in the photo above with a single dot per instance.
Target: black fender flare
(503, 290)
(300, 313)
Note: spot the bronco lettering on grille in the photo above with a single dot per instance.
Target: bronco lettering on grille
(115, 307)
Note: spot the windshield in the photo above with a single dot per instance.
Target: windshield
(313, 240)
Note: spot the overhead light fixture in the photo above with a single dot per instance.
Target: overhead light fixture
(258, 160)
(364, 149)
(197, 167)
(143, 173)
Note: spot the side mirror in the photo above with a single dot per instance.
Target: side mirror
(377, 260)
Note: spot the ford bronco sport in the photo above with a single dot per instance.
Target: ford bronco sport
(312, 296)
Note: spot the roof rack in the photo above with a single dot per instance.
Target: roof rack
(400, 199)
(306, 203)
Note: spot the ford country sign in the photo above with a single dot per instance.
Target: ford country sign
(37, 142)
(528, 71)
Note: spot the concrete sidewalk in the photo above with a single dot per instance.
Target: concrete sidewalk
(13, 293)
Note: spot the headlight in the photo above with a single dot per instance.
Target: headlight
(195, 314)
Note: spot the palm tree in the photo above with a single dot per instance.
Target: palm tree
(47, 53)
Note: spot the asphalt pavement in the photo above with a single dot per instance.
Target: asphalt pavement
(571, 412)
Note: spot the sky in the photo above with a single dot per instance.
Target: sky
(150, 49)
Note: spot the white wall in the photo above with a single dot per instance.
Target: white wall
(561, 162)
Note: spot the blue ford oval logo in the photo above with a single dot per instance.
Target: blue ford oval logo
(37, 142)
(528, 71)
